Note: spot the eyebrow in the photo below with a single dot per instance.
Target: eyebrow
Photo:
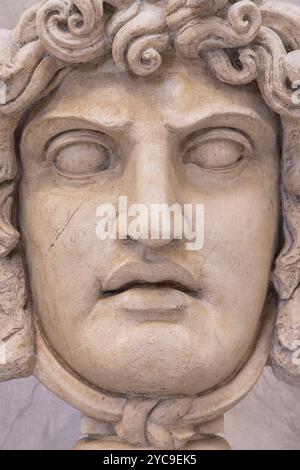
(64, 122)
(239, 117)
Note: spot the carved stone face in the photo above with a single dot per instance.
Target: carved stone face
(177, 137)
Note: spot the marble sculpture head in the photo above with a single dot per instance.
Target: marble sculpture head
(168, 102)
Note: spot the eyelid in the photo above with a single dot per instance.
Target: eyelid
(77, 136)
(219, 133)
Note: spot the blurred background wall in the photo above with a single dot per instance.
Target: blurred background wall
(31, 417)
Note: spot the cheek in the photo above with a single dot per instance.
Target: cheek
(66, 260)
(240, 242)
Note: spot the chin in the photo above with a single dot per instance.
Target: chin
(154, 360)
(163, 383)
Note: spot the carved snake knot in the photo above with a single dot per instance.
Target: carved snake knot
(159, 424)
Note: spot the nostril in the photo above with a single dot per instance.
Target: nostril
(128, 241)
(149, 242)
(154, 243)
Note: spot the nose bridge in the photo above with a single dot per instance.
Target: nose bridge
(151, 165)
(151, 180)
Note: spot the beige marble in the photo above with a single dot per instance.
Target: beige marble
(167, 103)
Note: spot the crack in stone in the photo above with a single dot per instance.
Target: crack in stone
(8, 337)
(59, 234)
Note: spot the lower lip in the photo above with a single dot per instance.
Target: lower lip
(157, 303)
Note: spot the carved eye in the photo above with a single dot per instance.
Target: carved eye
(80, 154)
(218, 149)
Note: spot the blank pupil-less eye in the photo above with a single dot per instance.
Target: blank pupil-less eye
(218, 149)
(82, 159)
(216, 154)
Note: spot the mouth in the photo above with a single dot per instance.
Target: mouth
(155, 286)
(154, 293)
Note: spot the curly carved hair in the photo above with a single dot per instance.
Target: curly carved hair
(241, 40)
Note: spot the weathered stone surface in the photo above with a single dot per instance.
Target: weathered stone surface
(164, 102)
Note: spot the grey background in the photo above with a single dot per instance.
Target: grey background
(31, 417)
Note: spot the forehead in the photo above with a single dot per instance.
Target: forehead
(180, 94)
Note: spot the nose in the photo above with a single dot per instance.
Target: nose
(152, 188)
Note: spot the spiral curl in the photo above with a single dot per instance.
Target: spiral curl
(239, 29)
(72, 30)
(222, 66)
(137, 44)
(179, 12)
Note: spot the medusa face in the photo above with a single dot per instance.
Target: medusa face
(147, 316)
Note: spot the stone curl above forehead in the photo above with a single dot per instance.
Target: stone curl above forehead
(241, 40)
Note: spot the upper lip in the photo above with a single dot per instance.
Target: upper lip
(158, 275)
